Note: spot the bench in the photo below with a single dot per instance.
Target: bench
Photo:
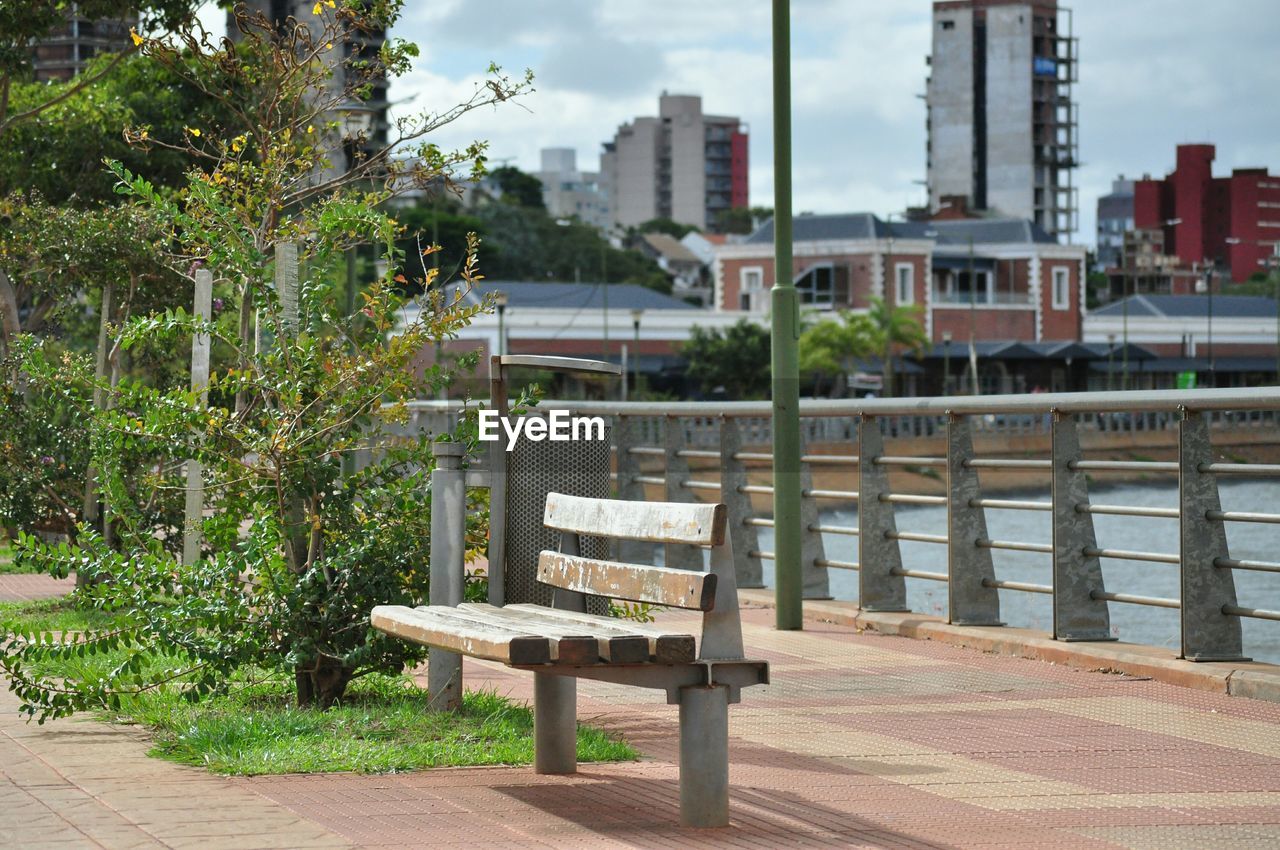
(701, 674)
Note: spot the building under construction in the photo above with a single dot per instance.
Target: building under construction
(1002, 124)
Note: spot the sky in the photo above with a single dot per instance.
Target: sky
(1153, 74)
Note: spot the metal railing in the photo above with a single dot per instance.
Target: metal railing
(655, 443)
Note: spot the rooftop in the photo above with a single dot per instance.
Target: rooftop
(1191, 306)
(528, 294)
(982, 231)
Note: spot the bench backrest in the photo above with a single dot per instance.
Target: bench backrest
(714, 593)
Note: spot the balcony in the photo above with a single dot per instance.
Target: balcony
(982, 299)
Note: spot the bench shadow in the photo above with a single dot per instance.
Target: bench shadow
(618, 808)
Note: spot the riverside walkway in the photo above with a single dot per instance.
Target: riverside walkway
(862, 740)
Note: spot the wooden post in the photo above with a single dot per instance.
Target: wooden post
(200, 344)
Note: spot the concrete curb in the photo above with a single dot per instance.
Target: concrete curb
(1245, 679)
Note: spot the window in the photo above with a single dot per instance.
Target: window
(816, 286)
(904, 290)
(750, 288)
(1061, 288)
(948, 25)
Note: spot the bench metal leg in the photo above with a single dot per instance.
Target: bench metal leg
(555, 724)
(704, 756)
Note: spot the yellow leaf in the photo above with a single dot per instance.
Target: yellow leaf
(332, 5)
(133, 34)
(195, 131)
(311, 128)
(315, 10)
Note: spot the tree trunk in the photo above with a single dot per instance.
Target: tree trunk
(887, 389)
(322, 683)
(9, 326)
(246, 330)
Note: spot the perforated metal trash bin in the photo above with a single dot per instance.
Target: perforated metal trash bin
(533, 471)
(522, 478)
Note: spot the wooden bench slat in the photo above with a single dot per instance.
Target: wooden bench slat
(433, 627)
(568, 645)
(613, 646)
(657, 522)
(656, 585)
(664, 647)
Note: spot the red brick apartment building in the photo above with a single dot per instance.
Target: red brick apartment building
(999, 279)
(1232, 222)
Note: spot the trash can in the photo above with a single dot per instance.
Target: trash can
(522, 478)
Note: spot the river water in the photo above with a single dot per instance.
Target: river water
(1134, 623)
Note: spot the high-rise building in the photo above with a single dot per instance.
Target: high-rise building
(1002, 125)
(64, 52)
(568, 192)
(363, 47)
(1213, 221)
(682, 165)
(1115, 218)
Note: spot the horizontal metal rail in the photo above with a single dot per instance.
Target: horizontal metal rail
(650, 479)
(762, 554)
(834, 460)
(1007, 463)
(835, 565)
(1125, 465)
(916, 537)
(1011, 504)
(1245, 564)
(1241, 468)
(927, 576)
(1026, 587)
(1255, 613)
(702, 454)
(1128, 401)
(1242, 516)
(758, 522)
(894, 460)
(1129, 510)
(1127, 555)
(912, 499)
(700, 485)
(851, 495)
(1135, 599)
(832, 529)
(1014, 545)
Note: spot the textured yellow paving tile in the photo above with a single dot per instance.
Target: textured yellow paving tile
(1203, 726)
(1110, 800)
(1191, 836)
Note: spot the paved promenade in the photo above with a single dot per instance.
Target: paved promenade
(862, 740)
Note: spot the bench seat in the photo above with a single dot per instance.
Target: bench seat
(528, 635)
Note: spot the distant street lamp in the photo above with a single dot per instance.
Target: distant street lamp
(500, 299)
(1207, 281)
(636, 315)
(1111, 351)
(946, 362)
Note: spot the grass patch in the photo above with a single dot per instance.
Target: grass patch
(7, 566)
(383, 725)
(60, 614)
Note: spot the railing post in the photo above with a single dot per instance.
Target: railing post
(733, 477)
(816, 579)
(1077, 615)
(679, 556)
(971, 600)
(448, 532)
(1207, 633)
(881, 586)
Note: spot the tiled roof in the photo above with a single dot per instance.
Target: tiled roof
(1191, 306)
(572, 296)
(983, 231)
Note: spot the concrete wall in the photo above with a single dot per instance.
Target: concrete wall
(688, 158)
(950, 99)
(1010, 152)
(633, 192)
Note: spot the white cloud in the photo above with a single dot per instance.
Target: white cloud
(1154, 73)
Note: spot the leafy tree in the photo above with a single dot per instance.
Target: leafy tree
(895, 329)
(672, 228)
(521, 243)
(23, 23)
(737, 360)
(829, 348)
(742, 220)
(522, 189)
(294, 553)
